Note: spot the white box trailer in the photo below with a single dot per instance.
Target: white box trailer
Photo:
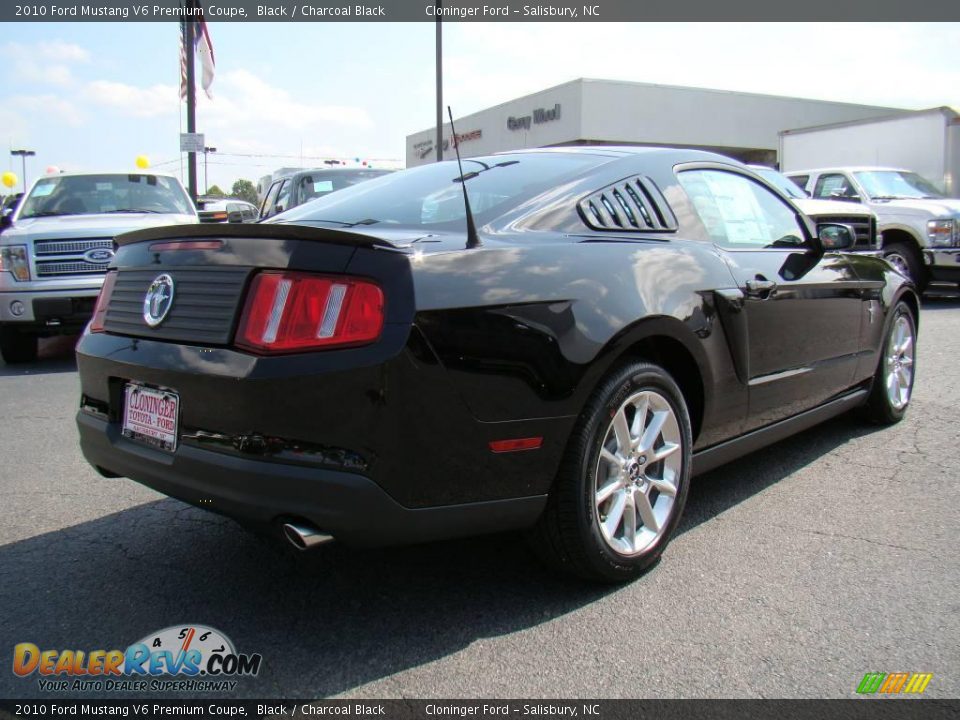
(924, 141)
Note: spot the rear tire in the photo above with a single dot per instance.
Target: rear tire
(16, 346)
(623, 481)
(905, 258)
(893, 381)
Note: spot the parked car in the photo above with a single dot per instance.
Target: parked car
(293, 190)
(219, 210)
(860, 218)
(56, 246)
(371, 368)
(9, 203)
(920, 227)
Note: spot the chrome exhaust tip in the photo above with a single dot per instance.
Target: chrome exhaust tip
(303, 536)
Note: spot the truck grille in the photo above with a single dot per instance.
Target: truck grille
(56, 258)
(865, 228)
(204, 310)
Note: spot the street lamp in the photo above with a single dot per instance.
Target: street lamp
(206, 183)
(24, 154)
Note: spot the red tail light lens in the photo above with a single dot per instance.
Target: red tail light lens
(103, 300)
(292, 312)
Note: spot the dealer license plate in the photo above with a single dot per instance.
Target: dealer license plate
(151, 416)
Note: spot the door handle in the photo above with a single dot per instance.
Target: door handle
(761, 288)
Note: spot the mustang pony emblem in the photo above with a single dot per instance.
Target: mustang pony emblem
(158, 300)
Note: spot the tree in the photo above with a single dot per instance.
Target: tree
(245, 190)
(215, 191)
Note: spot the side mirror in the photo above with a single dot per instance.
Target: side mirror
(834, 236)
(844, 197)
(235, 216)
(6, 220)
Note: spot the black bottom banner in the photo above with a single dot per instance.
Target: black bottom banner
(854, 709)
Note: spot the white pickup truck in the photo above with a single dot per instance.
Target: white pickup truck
(920, 227)
(56, 247)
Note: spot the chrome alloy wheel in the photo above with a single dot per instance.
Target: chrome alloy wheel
(899, 362)
(899, 263)
(637, 473)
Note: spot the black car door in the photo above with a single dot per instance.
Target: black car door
(799, 325)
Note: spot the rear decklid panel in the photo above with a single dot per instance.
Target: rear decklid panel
(211, 283)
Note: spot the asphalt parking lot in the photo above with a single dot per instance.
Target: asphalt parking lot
(795, 571)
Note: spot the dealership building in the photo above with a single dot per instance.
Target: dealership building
(745, 126)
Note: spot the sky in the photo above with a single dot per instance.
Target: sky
(94, 96)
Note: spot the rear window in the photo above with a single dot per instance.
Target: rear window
(320, 183)
(432, 195)
(113, 193)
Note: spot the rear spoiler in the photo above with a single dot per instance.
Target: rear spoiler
(276, 231)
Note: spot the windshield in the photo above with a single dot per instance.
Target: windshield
(781, 182)
(432, 194)
(93, 194)
(896, 185)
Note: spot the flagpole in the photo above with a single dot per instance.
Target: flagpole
(439, 69)
(188, 36)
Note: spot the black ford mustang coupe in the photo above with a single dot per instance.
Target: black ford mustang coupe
(373, 368)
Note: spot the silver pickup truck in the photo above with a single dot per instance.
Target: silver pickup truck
(920, 227)
(56, 247)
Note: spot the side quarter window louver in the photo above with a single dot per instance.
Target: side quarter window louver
(634, 204)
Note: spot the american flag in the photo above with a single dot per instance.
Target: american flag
(203, 47)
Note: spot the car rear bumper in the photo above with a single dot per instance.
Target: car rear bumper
(349, 506)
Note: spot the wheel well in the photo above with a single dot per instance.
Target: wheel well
(892, 236)
(910, 299)
(673, 356)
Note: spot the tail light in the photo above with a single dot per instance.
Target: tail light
(292, 312)
(103, 300)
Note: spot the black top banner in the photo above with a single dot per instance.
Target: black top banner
(474, 11)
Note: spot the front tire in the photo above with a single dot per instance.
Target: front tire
(893, 381)
(906, 260)
(624, 479)
(17, 347)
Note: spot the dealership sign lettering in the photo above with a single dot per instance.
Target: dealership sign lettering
(425, 147)
(537, 117)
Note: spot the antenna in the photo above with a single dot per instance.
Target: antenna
(473, 240)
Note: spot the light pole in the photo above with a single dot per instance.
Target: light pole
(24, 154)
(206, 182)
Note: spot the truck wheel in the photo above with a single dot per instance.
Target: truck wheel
(16, 346)
(624, 479)
(906, 261)
(893, 381)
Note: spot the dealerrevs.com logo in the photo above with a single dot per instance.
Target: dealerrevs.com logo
(184, 658)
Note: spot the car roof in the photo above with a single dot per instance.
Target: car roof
(109, 172)
(330, 170)
(621, 151)
(214, 200)
(847, 168)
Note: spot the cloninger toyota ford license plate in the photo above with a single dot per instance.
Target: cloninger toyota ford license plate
(150, 416)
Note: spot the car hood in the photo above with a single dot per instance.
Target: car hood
(106, 225)
(814, 207)
(935, 207)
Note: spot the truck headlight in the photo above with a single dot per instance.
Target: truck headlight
(13, 259)
(943, 233)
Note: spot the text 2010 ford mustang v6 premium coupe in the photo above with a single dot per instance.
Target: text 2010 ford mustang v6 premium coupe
(375, 368)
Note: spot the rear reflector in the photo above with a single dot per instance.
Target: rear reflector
(502, 446)
(292, 312)
(103, 300)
